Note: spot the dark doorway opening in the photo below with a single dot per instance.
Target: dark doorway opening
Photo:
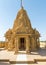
(21, 40)
(22, 44)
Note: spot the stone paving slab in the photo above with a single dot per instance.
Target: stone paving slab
(39, 63)
(4, 63)
(22, 58)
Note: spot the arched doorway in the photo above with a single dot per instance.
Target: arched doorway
(22, 44)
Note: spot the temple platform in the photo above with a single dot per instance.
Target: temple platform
(34, 58)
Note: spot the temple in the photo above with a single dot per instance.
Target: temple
(22, 37)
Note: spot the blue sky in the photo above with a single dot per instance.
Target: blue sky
(36, 10)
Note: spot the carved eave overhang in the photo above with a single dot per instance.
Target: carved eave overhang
(24, 34)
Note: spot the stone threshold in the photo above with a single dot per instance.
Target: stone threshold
(23, 62)
(40, 60)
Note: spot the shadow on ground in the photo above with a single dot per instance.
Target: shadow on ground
(4, 63)
(41, 51)
(2, 49)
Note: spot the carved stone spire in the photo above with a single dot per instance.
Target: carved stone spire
(21, 4)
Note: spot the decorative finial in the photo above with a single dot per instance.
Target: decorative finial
(21, 4)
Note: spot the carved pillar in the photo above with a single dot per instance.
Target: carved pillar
(35, 42)
(10, 45)
(27, 45)
(6, 44)
(38, 43)
(16, 45)
(33, 47)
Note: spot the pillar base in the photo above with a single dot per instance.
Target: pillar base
(28, 52)
(16, 52)
(10, 49)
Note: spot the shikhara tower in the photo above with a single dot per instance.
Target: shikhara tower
(22, 36)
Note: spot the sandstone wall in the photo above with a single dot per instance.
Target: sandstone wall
(43, 44)
(2, 44)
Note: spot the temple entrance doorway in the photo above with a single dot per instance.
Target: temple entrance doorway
(22, 44)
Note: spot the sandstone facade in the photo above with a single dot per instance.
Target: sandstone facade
(22, 36)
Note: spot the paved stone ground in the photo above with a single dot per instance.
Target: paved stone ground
(22, 57)
(4, 63)
(39, 63)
